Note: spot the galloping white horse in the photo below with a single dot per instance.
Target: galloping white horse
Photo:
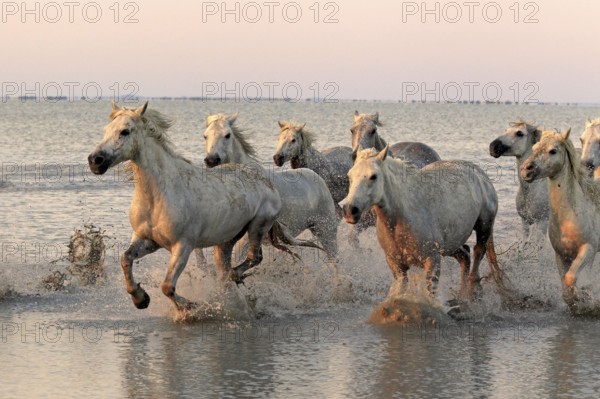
(590, 147)
(295, 144)
(306, 201)
(179, 206)
(364, 133)
(532, 198)
(574, 224)
(424, 214)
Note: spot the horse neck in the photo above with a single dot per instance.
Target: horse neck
(238, 155)
(379, 142)
(312, 159)
(395, 207)
(154, 170)
(564, 191)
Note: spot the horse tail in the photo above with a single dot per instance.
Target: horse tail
(279, 234)
(497, 273)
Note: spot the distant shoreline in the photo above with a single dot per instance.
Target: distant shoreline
(280, 100)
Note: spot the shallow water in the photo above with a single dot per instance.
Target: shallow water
(309, 335)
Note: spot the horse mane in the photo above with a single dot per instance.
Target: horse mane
(308, 137)
(238, 133)
(397, 165)
(155, 126)
(587, 183)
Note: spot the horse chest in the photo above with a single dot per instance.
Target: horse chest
(404, 243)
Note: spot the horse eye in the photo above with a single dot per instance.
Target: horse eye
(519, 134)
(293, 140)
(228, 135)
(352, 130)
(125, 132)
(552, 151)
(373, 177)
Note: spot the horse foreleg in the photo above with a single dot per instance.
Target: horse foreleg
(137, 249)
(585, 256)
(432, 274)
(179, 258)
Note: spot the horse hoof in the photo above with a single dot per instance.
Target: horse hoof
(143, 304)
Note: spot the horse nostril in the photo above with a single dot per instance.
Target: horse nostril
(529, 167)
(99, 160)
(588, 164)
(353, 210)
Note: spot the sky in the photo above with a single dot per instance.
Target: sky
(346, 49)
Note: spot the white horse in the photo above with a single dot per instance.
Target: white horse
(295, 144)
(574, 207)
(590, 147)
(424, 214)
(179, 206)
(532, 198)
(306, 200)
(364, 133)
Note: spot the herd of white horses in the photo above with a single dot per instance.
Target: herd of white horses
(424, 208)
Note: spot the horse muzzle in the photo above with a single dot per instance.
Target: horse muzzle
(212, 160)
(99, 162)
(529, 172)
(588, 164)
(497, 148)
(351, 213)
(278, 159)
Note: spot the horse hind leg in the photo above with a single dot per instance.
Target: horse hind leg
(224, 252)
(257, 229)
(137, 249)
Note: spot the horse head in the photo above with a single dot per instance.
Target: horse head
(121, 138)
(219, 139)
(517, 141)
(366, 183)
(364, 131)
(590, 145)
(290, 143)
(548, 157)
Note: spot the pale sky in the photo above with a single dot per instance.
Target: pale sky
(378, 49)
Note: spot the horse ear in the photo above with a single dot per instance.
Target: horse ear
(383, 153)
(142, 109)
(376, 118)
(115, 109)
(303, 125)
(535, 136)
(231, 118)
(281, 124)
(356, 115)
(566, 134)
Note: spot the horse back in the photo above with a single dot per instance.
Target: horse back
(416, 153)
